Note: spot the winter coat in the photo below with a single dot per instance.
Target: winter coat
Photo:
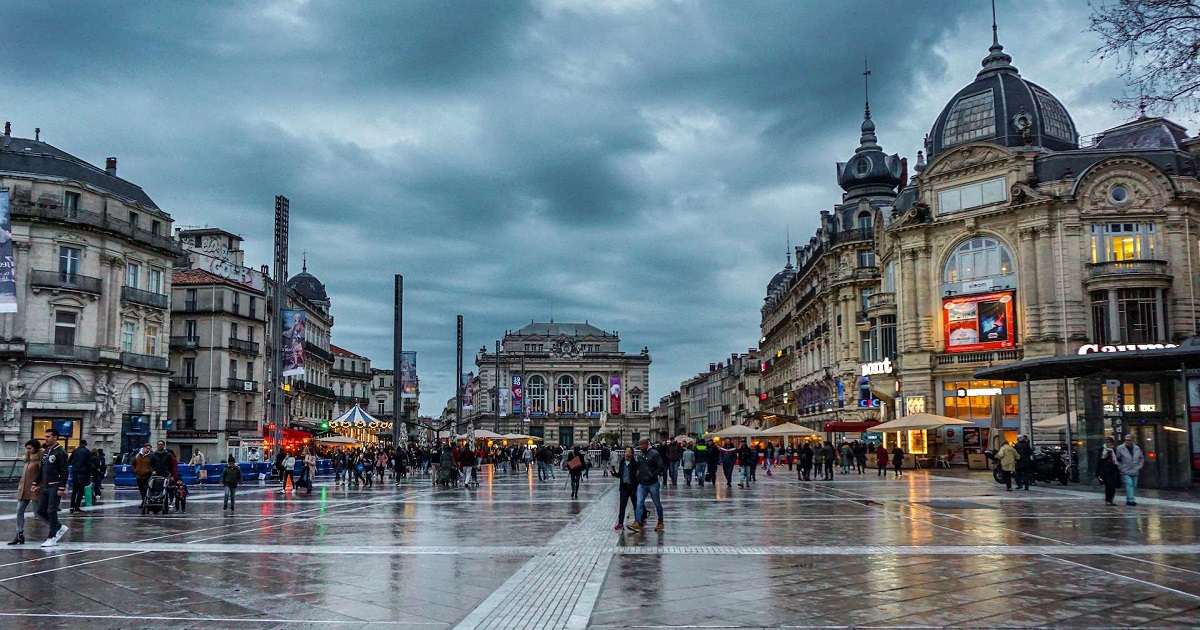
(1130, 462)
(29, 477)
(689, 459)
(232, 475)
(141, 466)
(1007, 456)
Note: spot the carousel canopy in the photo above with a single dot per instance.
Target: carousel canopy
(355, 417)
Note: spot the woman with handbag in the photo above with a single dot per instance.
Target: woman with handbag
(575, 469)
(1107, 472)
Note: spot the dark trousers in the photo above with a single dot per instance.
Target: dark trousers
(1008, 477)
(48, 508)
(575, 483)
(898, 468)
(1111, 483)
(727, 468)
(1023, 477)
(829, 470)
(97, 482)
(78, 489)
(860, 465)
(881, 469)
(804, 471)
(628, 494)
(143, 485)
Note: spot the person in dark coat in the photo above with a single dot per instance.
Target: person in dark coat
(1107, 472)
(625, 472)
(829, 456)
(713, 453)
(804, 462)
(80, 463)
(897, 459)
(1024, 462)
(99, 471)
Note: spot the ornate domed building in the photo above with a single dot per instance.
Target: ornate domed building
(312, 396)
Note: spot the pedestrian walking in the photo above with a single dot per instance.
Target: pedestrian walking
(746, 457)
(1024, 462)
(1130, 460)
(674, 456)
(881, 461)
(829, 456)
(1108, 471)
(769, 460)
(1007, 456)
(575, 466)
(308, 470)
(626, 475)
(649, 467)
(99, 471)
(142, 470)
(804, 462)
(289, 474)
(27, 486)
(80, 465)
(713, 454)
(688, 462)
(897, 459)
(860, 457)
(230, 478)
(52, 486)
(847, 457)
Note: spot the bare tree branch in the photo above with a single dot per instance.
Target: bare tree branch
(1157, 44)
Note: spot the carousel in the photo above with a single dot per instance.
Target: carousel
(359, 426)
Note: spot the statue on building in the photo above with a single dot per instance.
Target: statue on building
(14, 393)
(106, 401)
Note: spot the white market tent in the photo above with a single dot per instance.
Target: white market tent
(518, 436)
(915, 422)
(737, 431)
(337, 439)
(482, 434)
(789, 429)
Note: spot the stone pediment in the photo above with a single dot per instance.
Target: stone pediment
(1143, 187)
(978, 156)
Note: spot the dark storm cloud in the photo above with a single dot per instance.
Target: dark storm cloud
(635, 164)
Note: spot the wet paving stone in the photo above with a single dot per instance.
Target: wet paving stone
(928, 550)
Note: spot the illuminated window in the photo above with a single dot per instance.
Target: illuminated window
(594, 394)
(536, 391)
(564, 395)
(1116, 242)
(971, 118)
(977, 259)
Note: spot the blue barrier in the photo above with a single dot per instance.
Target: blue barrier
(123, 475)
(213, 473)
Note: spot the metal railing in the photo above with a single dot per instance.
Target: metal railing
(185, 343)
(143, 361)
(146, 298)
(184, 382)
(60, 351)
(242, 385)
(241, 345)
(986, 356)
(65, 280)
(852, 235)
(317, 390)
(86, 217)
(317, 351)
(1127, 267)
(241, 425)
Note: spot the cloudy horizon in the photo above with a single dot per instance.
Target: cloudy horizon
(635, 164)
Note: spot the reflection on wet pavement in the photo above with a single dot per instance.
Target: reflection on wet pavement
(924, 550)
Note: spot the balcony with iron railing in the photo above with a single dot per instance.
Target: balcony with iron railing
(145, 298)
(362, 375)
(184, 382)
(317, 351)
(242, 385)
(1127, 269)
(61, 351)
(65, 280)
(985, 356)
(317, 390)
(241, 345)
(853, 235)
(143, 361)
(76, 216)
(185, 343)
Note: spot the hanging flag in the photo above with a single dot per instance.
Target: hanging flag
(292, 344)
(614, 394)
(408, 375)
(518, 394)
(8, 282)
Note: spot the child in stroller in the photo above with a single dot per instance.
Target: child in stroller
(157, 497)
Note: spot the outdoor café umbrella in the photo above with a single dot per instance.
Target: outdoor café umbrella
(917, 421)
(788, 429)
(737, 431)
(683, 438)
(337, 439)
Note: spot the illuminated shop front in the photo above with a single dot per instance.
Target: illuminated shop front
(986, 403)
(1147, 391)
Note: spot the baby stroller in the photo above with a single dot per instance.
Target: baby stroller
(157, 496)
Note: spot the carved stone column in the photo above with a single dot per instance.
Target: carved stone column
(1027, 274)
(1049, 320)
(925, 281)
(14, 324)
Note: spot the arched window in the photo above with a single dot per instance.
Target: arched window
(62, 389)
(139, 396)
(536, 391)
(564, 395)
(864, 221)
(594, 394)
(979, 258)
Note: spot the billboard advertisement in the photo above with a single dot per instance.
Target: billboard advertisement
(614, 394)
(518, 394)
(979, 322)
(408, 375)
(468, 391)
(8, 270)
(292, 344)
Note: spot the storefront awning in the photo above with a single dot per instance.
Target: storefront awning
(1114, 359)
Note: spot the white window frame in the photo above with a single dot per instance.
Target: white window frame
(970, 196)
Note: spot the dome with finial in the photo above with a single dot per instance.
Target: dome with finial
(1002, 107)
(870, 170)
(307, 285)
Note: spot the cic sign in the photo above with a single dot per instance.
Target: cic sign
(878, 367)
(1089, 348)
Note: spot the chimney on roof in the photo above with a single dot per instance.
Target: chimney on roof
(7, 129)
(110, 166)
(37, 134)
(712, 367)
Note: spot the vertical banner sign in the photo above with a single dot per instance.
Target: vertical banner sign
(408, 374)
(292, 342)
(614, 394)
(504, 402)
(518, 394)
(8, 276)
(468, 390)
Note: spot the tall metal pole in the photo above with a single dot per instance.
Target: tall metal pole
(458, 387)
(398, 359)
(279, 297)
(496, 420)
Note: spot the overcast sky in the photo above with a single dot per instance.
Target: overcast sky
(635, 164)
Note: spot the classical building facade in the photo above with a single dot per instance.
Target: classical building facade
(350, 379)
(571, 381)
(382, 394)
(310, 399)
(86, 350)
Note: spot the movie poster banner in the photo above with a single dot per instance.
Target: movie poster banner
(518, 394)
(408, 375)
(614, 394)
(979, 322)
(8, 277)
(293, 343)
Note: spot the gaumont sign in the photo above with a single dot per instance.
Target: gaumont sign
(878, 367)
(1089, 348)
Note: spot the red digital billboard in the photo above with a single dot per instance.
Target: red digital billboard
(980, 322)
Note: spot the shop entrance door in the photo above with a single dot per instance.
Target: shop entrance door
(566, 437)
(1148, 436)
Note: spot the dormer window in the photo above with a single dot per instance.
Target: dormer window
(970, 196)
